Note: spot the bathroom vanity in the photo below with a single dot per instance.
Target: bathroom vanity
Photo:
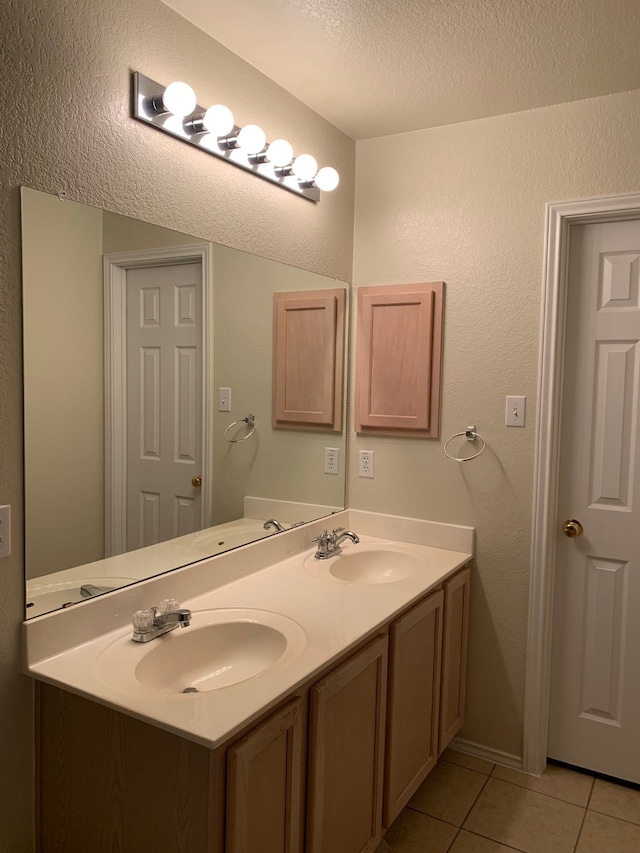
(318, 750)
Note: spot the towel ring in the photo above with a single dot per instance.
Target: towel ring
(470, 434)
(250, 420)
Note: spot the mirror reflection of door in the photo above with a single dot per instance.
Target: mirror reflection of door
(164, 403)
(157, 395)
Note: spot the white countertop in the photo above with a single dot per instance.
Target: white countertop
(335, 616)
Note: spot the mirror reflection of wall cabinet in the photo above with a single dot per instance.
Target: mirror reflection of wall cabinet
(398, 361)
(76, 265)
(308, 345)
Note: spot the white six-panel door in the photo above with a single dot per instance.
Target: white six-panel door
(595, 684)
(164, 402)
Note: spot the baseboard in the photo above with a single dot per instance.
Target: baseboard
(495, 756)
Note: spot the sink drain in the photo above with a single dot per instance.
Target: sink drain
(190, 690)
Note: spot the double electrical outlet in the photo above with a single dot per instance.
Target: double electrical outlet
(332, 460)
(365, 463)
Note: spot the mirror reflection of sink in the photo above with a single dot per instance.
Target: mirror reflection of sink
(45, 596)
(214, 541)
(374, 564)
(220, 648)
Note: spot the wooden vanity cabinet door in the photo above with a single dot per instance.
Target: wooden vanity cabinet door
(454, 655)
(415, 651)
(346, 754)
(265, 785)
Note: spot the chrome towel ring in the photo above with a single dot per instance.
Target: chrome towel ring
(471, 435)
(250, 420)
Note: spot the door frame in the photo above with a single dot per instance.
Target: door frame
(115, 269)
(560, 216)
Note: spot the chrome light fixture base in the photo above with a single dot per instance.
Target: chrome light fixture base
(145, 93)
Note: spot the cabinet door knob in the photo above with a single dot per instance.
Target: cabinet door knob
(572, 528)
(196, 482)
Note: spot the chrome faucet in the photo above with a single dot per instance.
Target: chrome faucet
(273, 522)
(88, 590)
(156, 621)
(329, 543)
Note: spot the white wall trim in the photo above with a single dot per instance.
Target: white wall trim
(559, 219)
(115, 268)
(495, 756)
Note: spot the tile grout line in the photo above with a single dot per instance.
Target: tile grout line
(584, 816)
(475, 800)
(544, 793)
(493, 840)
(479, 834)
(615, 817)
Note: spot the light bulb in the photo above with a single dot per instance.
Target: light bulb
(305, 167)
(327, 179)
(179, 99)
(218, 120)
(280, 153)
(251, 139)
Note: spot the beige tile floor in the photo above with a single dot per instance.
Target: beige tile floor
(468, 805)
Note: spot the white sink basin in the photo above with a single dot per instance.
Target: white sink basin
(372, 564)
(219, 649)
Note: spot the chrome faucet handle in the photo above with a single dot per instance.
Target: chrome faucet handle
(323, 538)
(337, 531)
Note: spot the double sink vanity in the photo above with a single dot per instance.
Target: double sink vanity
(298, 710)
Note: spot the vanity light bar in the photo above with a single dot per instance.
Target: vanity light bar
(173, 109)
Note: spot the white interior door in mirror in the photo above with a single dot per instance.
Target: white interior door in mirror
(164, 403)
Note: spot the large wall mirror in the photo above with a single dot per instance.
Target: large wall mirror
(148, 403)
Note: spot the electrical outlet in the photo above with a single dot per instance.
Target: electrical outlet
(224, 399)
(5, 531)
(365, 468)
(331, 460)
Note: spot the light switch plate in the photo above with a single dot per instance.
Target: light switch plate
(515, 415)
(224, 399)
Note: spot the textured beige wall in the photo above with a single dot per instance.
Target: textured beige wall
(467, 207)
(65, 126)
(124, 234)
(64, 396)
(280, 464)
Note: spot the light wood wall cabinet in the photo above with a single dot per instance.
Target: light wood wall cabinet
(308, 359)
(325, 772)
(398, 359)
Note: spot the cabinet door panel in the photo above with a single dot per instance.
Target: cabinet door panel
(398, 358)
(264, 786)
(454, 655)
(414, 694)
(346, 743)
(308, 344)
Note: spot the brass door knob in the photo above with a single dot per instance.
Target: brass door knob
(196, 482)
(572, 528)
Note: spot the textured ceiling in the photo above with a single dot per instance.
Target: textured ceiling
(377, 67)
